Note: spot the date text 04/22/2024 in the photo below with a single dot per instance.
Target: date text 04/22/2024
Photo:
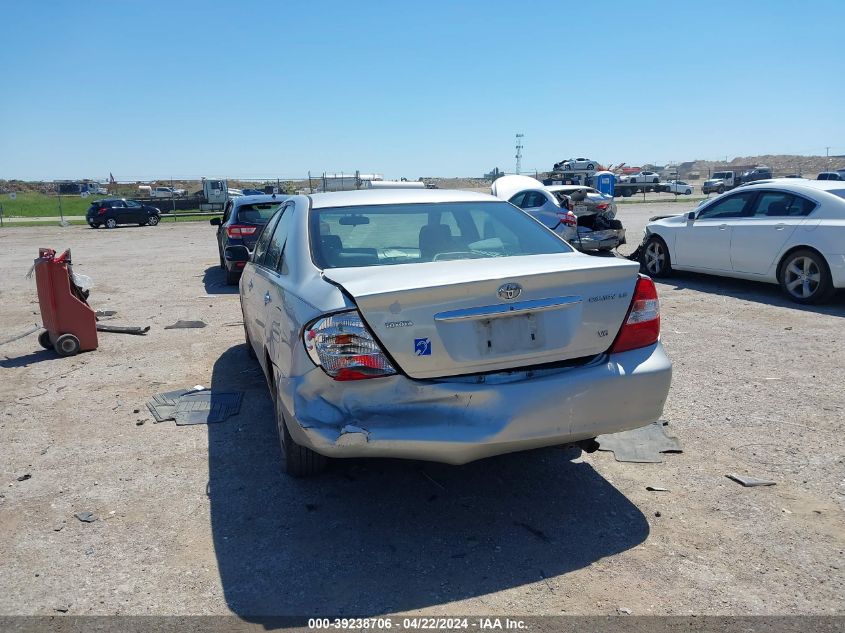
(418, 623)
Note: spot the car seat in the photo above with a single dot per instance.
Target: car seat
(434, 239)
(777, 208)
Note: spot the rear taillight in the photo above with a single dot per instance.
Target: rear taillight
(642, 323)
(102, 210)
(603, 206)
(568, 218)
(345, 349)
(238, 230)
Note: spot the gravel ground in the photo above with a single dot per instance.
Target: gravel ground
(200, 520)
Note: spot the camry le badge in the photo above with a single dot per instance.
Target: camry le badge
(509, 291)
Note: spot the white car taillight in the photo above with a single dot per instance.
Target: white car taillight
(345, 349)
(642, 323)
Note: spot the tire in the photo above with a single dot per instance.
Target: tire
(153, 220)
(232, 277)
(298, 460)
(590, 166)
(111, 223)
(720, 189)
(44, 340)
(688, 192)
(627, 193)
(654, 258)
(67, 345)
(805, 277)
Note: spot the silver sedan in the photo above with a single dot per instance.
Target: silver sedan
(445, 326)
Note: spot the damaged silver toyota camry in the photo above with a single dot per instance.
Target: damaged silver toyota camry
(445, 326)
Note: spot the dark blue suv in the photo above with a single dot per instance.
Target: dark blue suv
(243, 219)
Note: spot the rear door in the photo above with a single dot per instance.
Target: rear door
(705, 243)
(539, 206)
(118, 211)
(135, 212)
(254, 286)
(280, 332)
(759, 237)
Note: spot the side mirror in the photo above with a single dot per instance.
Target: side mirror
(691, 215)
(236, 254)
(214, 222)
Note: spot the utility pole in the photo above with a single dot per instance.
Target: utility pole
(519, 147)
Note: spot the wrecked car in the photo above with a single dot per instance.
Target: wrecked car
(442, 325)
(583, 216)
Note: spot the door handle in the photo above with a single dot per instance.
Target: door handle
(780, 227)
(250, 284)
(723, 227)
(266, 297)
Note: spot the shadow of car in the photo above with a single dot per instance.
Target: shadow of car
(378, 536)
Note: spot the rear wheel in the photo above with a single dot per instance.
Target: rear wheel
(44, 340)
(805, 278)
(111, 223)
(655, 258)
(299, 461)
(67, 345)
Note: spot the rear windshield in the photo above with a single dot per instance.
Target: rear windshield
(343, 237)
(258, 213)
(837, 192)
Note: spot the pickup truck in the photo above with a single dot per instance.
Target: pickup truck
(720, 182)
(166, 192)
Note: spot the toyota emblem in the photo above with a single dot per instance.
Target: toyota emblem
(509, 292)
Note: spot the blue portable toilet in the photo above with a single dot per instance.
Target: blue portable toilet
(605, 181)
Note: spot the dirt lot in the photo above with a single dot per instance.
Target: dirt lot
(200, 520)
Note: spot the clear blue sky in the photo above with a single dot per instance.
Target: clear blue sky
(179, 89)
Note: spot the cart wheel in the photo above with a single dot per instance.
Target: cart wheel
(44, 340)
(67, 345)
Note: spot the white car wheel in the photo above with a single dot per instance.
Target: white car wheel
(805, 278)
(655, 258)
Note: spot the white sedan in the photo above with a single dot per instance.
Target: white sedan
(580, 164)
(678, 186)
(644, 177)
(785, 231)
(442, 325)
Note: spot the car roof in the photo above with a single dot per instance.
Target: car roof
(395, 196)
(797, 184)
(256, 199)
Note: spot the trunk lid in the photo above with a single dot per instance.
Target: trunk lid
(478, 315)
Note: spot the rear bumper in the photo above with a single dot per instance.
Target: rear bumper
(599, 240)
(461, 420)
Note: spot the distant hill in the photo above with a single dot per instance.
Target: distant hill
(781, 164)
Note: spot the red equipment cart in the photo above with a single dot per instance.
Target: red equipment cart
(70, 322)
